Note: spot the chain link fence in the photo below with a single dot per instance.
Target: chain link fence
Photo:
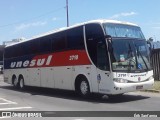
(155, 60)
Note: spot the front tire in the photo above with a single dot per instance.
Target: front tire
(83, 88)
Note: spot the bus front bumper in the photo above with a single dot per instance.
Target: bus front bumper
(120, 88)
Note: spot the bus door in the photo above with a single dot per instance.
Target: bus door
(103, 72)
(97, 50)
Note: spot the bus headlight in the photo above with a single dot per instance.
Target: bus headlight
(120, 80)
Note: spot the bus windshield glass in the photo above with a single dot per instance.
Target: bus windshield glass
(130, 55)
(121, 30)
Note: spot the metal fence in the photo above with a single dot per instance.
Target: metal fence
(155, 60)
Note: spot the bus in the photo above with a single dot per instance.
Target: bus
(100, 56)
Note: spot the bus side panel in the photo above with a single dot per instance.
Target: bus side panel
(26, 76)
(63, 77)
(34, 76)
(47, 77)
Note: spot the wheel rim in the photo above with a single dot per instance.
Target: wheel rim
(84, 87)
(21, 83)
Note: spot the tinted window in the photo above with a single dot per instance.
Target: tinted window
(34, 46)
(102, 56)
(26, 48)
(59, 41)
(11, 51)
(17, 51)
(7, 53)
(45, 44)
(75, 38)
(93, 32)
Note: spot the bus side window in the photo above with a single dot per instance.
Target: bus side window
(59, 41)
(19, 51)
(45, 44)
(34, 46)
(25, 48)
(75, 39)
(10, 53)
(91, 33)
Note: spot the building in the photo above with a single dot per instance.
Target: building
(13, 41)
(156, 45)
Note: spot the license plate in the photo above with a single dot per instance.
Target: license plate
(139, 87)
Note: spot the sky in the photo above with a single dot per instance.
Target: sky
(28, 18)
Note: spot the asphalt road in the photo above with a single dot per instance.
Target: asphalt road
(42, 99)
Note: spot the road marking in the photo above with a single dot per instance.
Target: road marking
(79, 119)
(15, 108)
(4, 117)
(7, 101)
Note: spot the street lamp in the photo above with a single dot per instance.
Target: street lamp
(67, 13)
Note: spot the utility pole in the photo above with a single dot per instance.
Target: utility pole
(67, 13)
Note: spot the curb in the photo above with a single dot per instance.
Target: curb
(152, 90)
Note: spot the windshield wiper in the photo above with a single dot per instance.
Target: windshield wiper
(141, 57)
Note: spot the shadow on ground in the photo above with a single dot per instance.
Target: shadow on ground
(73, 96)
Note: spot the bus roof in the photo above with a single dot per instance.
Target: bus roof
(76, 25)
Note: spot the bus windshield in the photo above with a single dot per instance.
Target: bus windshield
(121, 30)
(130, 55)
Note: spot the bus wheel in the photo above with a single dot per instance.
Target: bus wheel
(21, 83)
(84, 89)
(15, 82)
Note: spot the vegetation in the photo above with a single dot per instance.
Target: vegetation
(156, 85)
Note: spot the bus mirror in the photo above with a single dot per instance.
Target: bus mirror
(108, 37)
(110, 48)
(150, 45)
(109, 40)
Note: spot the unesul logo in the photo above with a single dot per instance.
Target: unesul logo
(35, 62)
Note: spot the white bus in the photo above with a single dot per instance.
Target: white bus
(101, 56)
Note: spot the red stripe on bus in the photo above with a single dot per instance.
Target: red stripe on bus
(66, 58)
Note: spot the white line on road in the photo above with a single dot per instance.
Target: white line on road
(8, 101)
(4, 117)
(15, 108)
(79, 119)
